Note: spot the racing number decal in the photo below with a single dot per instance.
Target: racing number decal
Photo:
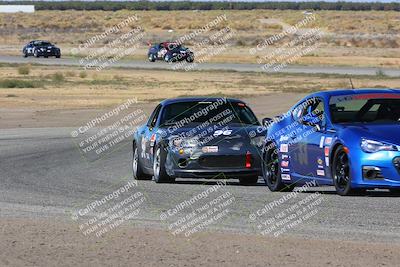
(222, 132)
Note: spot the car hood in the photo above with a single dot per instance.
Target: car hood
(217, 133)
(380, 132)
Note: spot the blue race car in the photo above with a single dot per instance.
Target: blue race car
(199, 138)
(346, 138)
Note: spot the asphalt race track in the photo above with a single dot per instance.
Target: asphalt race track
(43, 175)
(209, 66)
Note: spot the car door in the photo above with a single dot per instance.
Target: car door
(309, 151)
(148, 138)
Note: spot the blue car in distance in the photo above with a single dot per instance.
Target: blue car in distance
(346, 138)
(199, 138)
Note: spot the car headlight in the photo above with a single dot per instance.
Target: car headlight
(257, 141)
(372, 146)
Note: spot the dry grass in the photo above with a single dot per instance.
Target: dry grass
(370, 38)
(111, 87)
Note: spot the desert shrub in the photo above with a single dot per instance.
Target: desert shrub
(17, 83)
(82, 74)
(58, 77)
(24, 69)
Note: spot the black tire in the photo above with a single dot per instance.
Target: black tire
(342, 175)
(272, 172)
(160, 174)
(58, 56)
(168, 58)
(35, 53)
(395, 191)
(25, 54)
(190, 59)
(137, 170)
(152, 58)
(46, 56)
(248, 180)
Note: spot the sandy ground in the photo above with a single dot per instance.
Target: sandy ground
(51, 242)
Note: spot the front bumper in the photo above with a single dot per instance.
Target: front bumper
(222, 165)
(49, 52)
(385, 166)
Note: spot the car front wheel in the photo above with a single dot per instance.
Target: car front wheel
(152, 58)
(160, 174)
(341, 171)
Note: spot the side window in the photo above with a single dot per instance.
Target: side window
(309, 111)
(154, 116)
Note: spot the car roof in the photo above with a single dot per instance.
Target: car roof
(327, 94)
(39, 41)
(196, 99)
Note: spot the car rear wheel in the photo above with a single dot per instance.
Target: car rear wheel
(25, 54)
(138, 173)
(58, 56)
(190, 59)
(35, 53)
(272, 172)
(160, 174)
(248, 180)
(341, 171)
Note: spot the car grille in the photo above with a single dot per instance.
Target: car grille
(223, 161)
(396, 162)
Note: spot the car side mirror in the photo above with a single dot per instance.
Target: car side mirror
(266, 122)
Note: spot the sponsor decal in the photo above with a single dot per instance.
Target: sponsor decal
(210, 149)
(320, 161)
(285, 170)
(284, 138)
(326, 151)
(327, 161)
(321, 142)
(320, 172)
(152, 139)
(284, 148)
(285, 177)
(328, 141)
(285, 163)
(285, 156)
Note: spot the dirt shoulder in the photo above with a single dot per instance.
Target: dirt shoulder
(50, 242)
(264, 106)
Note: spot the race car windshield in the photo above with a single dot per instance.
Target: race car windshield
(365, 108)
(213, 112)
(42, 44)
